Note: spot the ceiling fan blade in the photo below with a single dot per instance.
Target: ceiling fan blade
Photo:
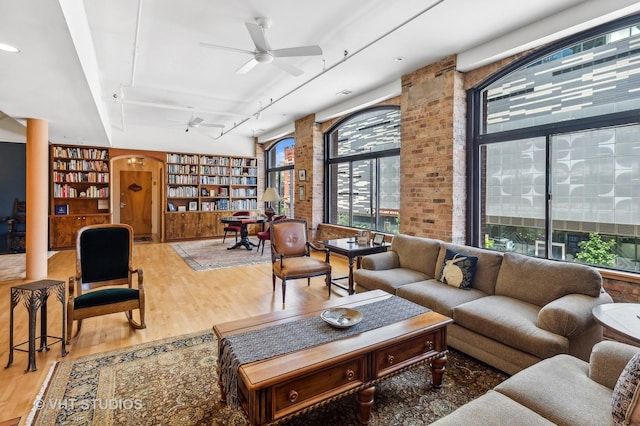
(232, 49)
(294, 71)
(195, 121)
(257, 35)
(297, 51)
(247, 67)
(219, 126)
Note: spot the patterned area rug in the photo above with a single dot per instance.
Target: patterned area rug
(213, 254)
(173, 381)
(13, 266)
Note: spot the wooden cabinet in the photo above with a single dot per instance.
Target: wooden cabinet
(80, 192)
(63, 230)
(200, 189)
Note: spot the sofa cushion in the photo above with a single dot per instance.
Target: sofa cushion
(388, 280)
(458, 269)
(417, 253)
(492, 408)
(560, 390)
(539, 281)
(608, 359)
(438, 296)
(486, 270)
(512, 322)
(624, 401)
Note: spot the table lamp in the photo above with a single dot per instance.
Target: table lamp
(270, 195)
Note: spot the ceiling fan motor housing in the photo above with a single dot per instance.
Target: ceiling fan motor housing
(263, 57)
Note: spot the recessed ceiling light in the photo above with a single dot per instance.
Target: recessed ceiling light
(399, 58)
(9, 48)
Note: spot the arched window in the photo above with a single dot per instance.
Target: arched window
(363, 170)
(556, 151)
(279, 167)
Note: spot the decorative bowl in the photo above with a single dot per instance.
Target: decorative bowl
(341, 317)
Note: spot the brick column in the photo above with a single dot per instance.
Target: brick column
(309, 157)
(433, 171)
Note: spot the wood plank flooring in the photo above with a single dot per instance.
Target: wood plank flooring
(179, 301)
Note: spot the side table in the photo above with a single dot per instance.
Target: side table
(350, 248)
(34, 295)
(621, 319)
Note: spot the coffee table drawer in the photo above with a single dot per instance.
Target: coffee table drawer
(407, 352)
(311, 388)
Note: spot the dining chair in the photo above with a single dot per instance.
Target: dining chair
(291, 254)
(103, 283)
(233, 227)
(265, 235)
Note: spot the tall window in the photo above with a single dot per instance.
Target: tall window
(363, 170)
(556, 152)
(279, 164)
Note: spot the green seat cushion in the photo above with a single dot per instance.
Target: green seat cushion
(105, 297)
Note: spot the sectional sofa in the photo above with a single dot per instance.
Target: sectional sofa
(509, 310)
(562, 390)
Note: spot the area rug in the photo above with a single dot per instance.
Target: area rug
(13, 266)
(213, 254)
(173, 382)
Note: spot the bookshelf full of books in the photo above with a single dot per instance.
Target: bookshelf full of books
(200, 189)
(80, 185)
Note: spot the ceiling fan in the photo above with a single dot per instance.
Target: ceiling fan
(195, 122)
(263, 54)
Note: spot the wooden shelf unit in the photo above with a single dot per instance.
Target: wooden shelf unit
(80, 192)
(200, 189)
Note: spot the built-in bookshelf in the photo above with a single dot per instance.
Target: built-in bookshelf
(79, 191)
(211, 183)
(80, 178)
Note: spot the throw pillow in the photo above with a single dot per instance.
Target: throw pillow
(458, 269)
(624, 402)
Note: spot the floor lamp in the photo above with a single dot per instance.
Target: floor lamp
(270, 195)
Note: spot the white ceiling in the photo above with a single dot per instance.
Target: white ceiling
(131, 73)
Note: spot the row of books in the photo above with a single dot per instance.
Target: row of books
(241, 171)
(214, 170)
(87, 153)
(81, 177)
(222, 161)
(237, 180)
(81, 165)
(182, 159)
(182, 179)
(244, 192)
(246, 162)
(66, 191)
(248, 204)
(214, 180)
(182, 169)
(182, 191)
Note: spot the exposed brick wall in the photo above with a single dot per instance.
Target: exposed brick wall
(433, 171)
(309, 157)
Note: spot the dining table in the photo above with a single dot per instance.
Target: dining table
(243, 222)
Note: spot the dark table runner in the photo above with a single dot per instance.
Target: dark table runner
(255, 345)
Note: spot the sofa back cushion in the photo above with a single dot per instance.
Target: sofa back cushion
(417, 253)
(540, 281)
(487, 267)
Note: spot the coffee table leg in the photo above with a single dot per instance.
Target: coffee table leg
(437, 370)
(365, 401)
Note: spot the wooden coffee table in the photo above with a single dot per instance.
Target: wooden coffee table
(278, 388)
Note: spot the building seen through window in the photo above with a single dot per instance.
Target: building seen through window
(280, 159)
(363, 170)
(557, 152)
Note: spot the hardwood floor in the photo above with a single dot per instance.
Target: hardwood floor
(179, 301)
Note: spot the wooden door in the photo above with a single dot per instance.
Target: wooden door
(135, 200)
